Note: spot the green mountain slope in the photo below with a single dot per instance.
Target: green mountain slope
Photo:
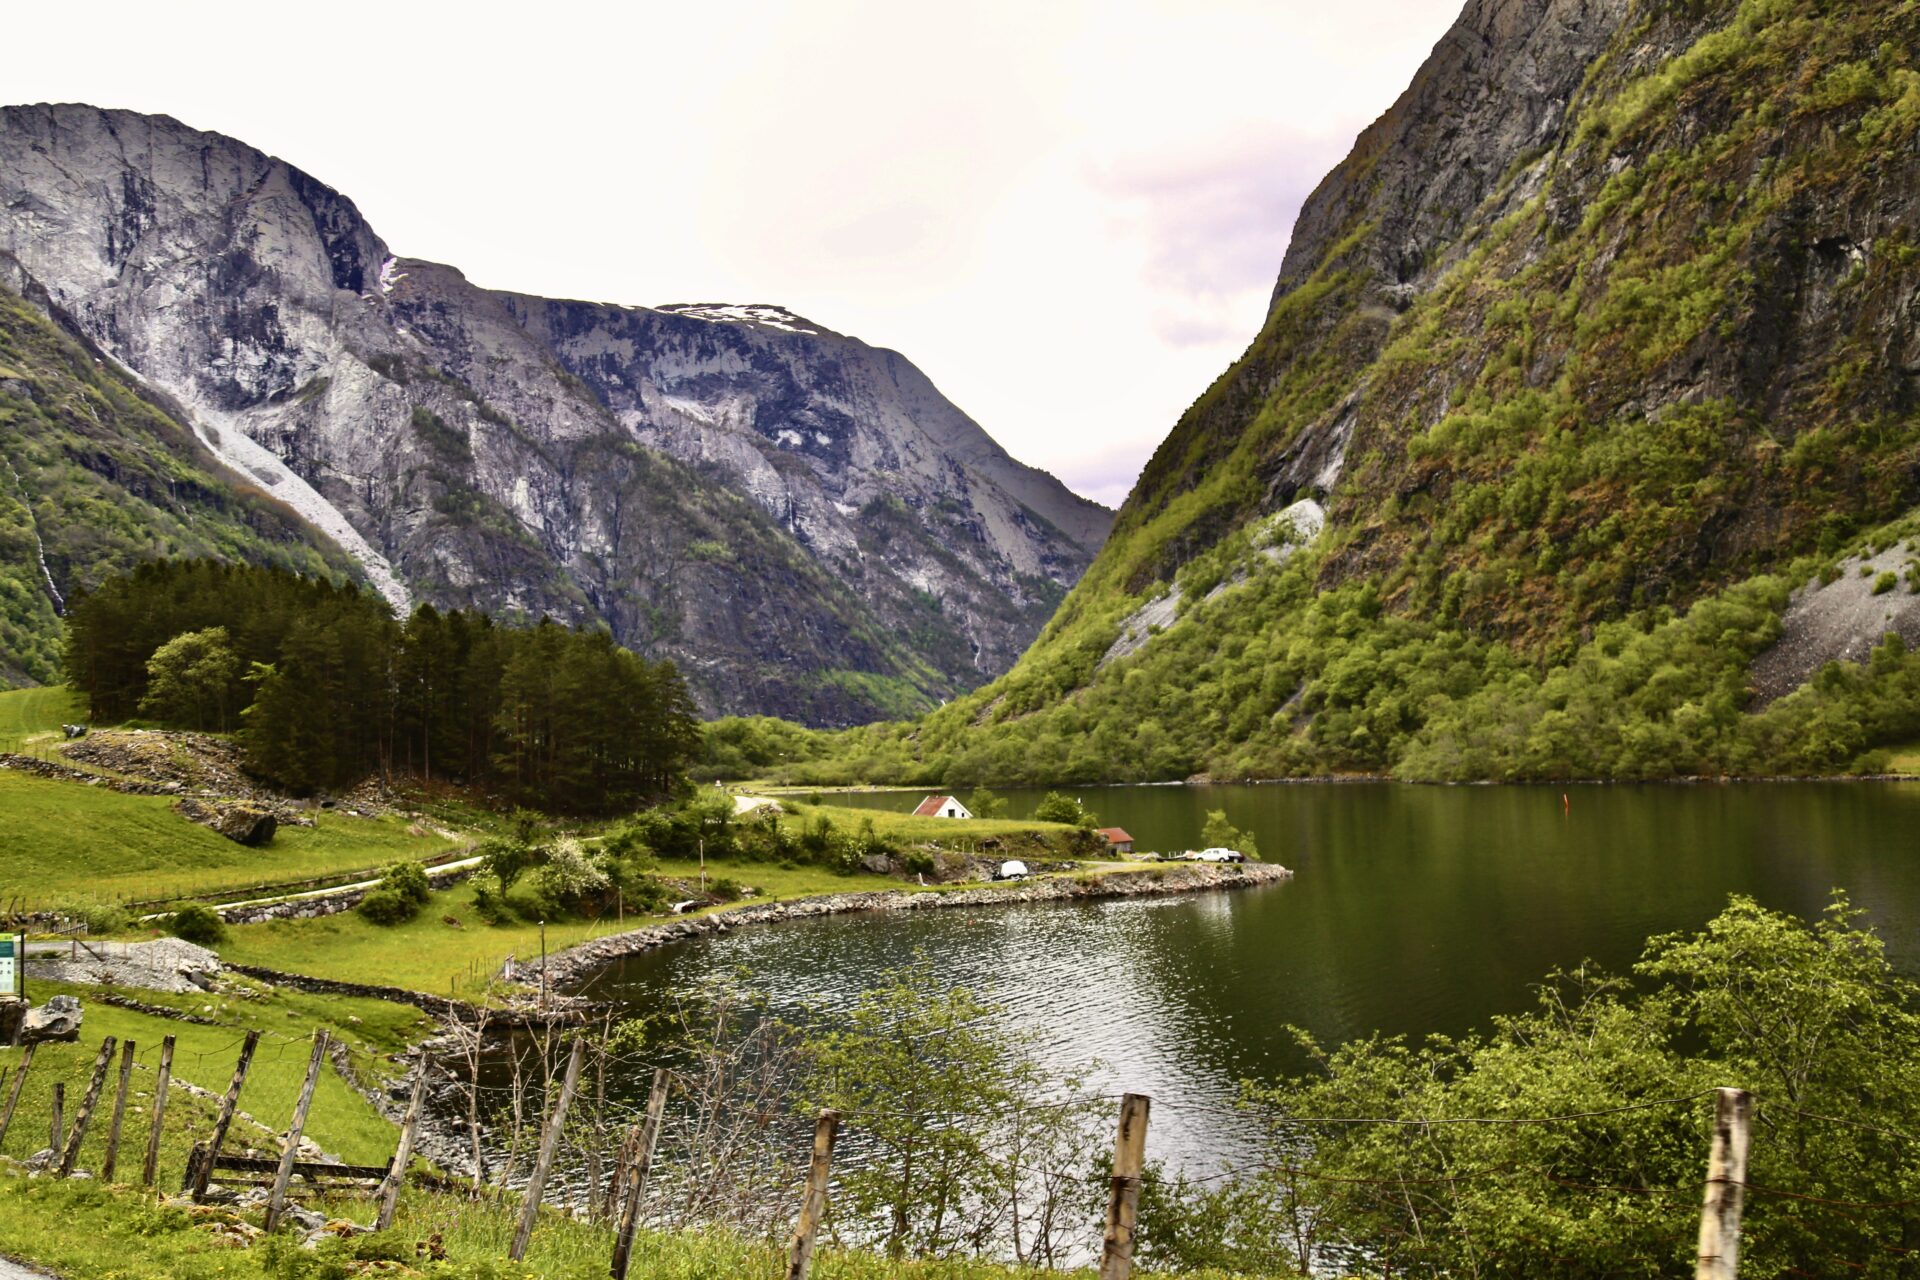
(96, 476)
(1599, 345)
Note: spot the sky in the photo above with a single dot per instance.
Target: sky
(1069, 214)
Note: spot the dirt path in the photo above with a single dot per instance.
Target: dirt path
(11, 1270)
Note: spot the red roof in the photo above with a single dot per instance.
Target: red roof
(1116, 835)
(931, 806)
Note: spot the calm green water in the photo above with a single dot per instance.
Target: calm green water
(1413, 910)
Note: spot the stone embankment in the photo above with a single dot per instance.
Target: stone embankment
(576, 964)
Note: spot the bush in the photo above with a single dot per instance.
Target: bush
(1055, 807)
(197, 924)
(101, 917)
(409, 881)
(727, 889)
(385, 907)
(918, 862)
(1885, 582)
(490, 900)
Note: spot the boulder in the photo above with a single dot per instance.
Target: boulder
(878, 863)
(57, 1019)
(240, 823)
(12, 1014)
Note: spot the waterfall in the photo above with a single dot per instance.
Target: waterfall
(39, 547)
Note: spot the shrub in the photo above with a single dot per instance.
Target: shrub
(385, 907)
(101, 917)
(1885, 582)
(1055, 807)
(409, 881)
(919, 862)
(727, 889)
(489, 899)
(198, 924)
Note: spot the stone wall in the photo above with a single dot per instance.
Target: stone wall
(313, 906)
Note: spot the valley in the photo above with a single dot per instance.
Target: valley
(663, 791)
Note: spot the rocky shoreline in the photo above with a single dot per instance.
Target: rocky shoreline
(576, 964)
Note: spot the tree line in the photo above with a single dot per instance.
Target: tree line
(323, 687)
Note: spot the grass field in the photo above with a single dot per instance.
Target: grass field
(341, 1120)
(62, 842)
(25, 713)
(128, 1238)
(1905, 758)
(430, 954)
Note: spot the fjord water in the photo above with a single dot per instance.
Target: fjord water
(1413, 910)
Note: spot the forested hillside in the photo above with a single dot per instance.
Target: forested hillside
(96, 477)
(324, 687)
(1599, 347)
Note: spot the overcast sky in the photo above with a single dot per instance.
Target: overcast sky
(1068, 214)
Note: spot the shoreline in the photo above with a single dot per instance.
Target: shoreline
(580, 963)
(787, 792)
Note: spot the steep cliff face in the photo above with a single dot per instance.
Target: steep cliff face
(468, 447)
(97, 474)
(1612, 311)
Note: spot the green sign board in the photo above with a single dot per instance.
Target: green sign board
(13, 955)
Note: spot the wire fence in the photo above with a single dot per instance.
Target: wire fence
(606, 1170)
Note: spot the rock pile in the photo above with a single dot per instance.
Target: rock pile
(165, 964)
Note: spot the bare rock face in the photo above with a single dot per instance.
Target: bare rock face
(799, 519)
(56, 1020)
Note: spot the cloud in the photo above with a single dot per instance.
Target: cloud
(1214, 221)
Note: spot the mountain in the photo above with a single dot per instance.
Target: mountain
(1583, 430)
(798, 519)
(97, 474)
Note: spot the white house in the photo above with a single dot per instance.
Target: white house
(942, 807)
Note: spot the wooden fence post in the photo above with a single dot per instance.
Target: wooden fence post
(814, 1207)
(161, 1080)
(1123, 1201)
(108, 1161)
(13, 1095)
(203, 1171)
(290, 1150)
(633, 1177)
(59, 1104)
(549, 1143)
(87, 1102)
(397, 1173)
(1719, 1255)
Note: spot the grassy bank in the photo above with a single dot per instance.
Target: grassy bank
(129, 1237)
(449, 949)
(66, 840)
(342, 1121)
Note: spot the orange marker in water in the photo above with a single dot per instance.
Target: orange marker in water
(1566, 806)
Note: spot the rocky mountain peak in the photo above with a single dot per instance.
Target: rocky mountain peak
(800, 519)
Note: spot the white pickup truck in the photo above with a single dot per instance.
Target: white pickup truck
(1217, 854)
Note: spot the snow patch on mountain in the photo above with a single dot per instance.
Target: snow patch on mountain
(762, 314)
